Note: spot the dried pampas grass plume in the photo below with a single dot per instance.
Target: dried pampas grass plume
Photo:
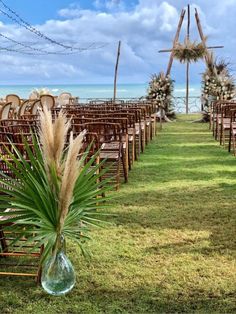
(53, 139)
(60, 130)
(57, 157)
(70, 175)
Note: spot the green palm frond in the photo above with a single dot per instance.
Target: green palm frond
(33, 197)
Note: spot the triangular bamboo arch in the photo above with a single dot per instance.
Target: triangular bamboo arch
(176, 38)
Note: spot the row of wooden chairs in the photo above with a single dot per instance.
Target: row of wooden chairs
(120, 132)
(136, 123)
(223, 123)
(17, 258)
(15, 107)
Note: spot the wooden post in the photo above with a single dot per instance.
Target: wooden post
(175, 41)
(199, 26)
(116, 70)
(187, 67)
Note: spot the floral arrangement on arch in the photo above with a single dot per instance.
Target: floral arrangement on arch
(161, 89)
(37, 92)
(217, 81)
(221, 87)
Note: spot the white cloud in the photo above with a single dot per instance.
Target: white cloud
(109, 4)
(143, 29)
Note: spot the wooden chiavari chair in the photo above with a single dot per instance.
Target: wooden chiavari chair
(16, 255)
(225, 125)
(110, 141)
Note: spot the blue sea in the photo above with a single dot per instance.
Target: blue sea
(85, 91)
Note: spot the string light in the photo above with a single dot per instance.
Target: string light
(21, 22)
(29, 27)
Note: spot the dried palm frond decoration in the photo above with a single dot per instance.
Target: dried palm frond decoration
(210, 62)
(189, 51)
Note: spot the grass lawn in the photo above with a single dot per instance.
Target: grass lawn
(171, 246)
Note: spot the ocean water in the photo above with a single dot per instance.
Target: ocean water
(95, 90)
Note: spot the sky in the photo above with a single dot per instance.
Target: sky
(143, 26)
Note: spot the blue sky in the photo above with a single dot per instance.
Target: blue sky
(144, 26)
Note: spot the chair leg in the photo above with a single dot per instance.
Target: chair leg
(129, 159)
(3, 241)
(125, 168)
(234, 149)
(143, 139)
(118, 176)
(132, 151)
(221, 135)
(39, 272)
(147, 134)
(137, 146)
(216, 132)
(230, 138)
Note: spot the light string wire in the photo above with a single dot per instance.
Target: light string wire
(21, 22)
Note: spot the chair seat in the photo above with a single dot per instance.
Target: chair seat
(111, 146)
(226, 120)
(142, 126)
(131, 131)
(109, 155)
(137, 128)
(131, 138)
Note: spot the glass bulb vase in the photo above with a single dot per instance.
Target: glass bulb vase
(58, 275)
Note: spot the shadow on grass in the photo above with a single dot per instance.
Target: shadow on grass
(201, 209)
(170, 195)
(152, 298)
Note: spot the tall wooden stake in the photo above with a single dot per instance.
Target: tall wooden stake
(200, 28)
(116, 70)
(200, 31)
(175, 41)
(187, 67)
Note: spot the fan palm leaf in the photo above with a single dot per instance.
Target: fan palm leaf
(44, 203)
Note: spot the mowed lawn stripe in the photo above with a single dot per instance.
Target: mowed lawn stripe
(170, 246)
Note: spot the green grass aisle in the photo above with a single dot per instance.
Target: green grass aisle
(171, 246)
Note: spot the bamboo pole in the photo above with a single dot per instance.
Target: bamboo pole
(175, 41)
(187, 88)
(187, 66)
(199, 26)
(200, 31)
(116, 70)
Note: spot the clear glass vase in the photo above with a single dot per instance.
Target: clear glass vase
(58, 275)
